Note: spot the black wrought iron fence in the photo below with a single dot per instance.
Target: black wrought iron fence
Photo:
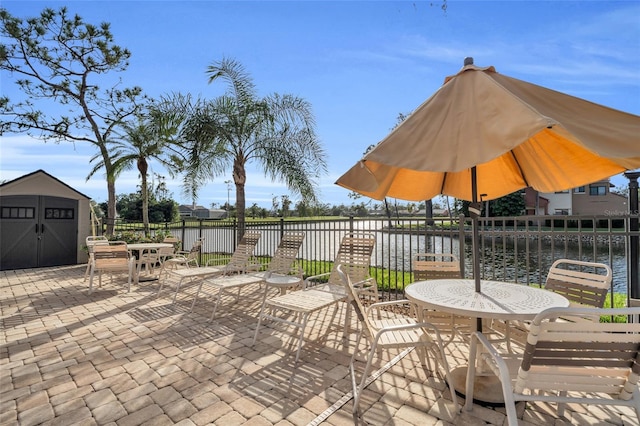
(516, 249)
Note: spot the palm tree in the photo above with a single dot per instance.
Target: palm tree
(277, 132)
(136, 144)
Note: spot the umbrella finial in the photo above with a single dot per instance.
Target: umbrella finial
(468, 61)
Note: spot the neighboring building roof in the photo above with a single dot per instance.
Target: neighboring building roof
(187, 207)
(28, 176)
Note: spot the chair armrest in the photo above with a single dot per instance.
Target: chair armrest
(253, 265)
(369, 282)
(309, 282)
(219, 261)
(378, 305)
(297, 271)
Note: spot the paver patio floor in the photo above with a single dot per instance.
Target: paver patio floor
(118, 358)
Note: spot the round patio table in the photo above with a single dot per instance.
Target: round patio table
(141, 248)
(496, 300)
(281, 282)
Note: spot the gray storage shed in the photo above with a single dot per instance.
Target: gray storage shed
(43, 222)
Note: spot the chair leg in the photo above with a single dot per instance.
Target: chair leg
(131, 266)
(86, 272)
(175, 295)
(440, 359)
(215, 305)
(562, 405)
(255, 335)
(302, 326)
(195, 297)
(509, 405)
(363, 380)
(423, 355)
(91, 280)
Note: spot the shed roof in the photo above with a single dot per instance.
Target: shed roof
(38, 173)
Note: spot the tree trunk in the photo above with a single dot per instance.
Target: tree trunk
(428, 207)
(145, 205)
(142, 168)
(111, 206)
(240, 178)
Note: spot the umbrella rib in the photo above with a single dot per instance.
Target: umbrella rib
(444, 180)
(515, 159)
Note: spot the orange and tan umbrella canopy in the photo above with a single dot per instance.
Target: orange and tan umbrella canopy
(517, 134)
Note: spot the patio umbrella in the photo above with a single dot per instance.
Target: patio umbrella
(485, 133)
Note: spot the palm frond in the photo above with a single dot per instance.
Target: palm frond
(240, 82)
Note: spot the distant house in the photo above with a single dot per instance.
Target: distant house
(201, 212)
(534, 203)
(593, 199)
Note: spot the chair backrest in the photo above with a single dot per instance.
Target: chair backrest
(285, 255)
(583, 283)
(431, 266)
(241, 257)
(111, 256)
(168, 251)
(354, 254)
(581, 356)
(194, 252)
(91, 241)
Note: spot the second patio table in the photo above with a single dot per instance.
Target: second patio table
(497, 300)
(141, 248)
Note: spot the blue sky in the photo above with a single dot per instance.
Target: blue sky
(359, 63)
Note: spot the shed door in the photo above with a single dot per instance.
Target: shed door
(58, 231)
(37, 231)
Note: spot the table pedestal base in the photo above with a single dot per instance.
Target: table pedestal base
(487, 390)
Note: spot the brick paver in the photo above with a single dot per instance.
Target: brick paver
(128, 359)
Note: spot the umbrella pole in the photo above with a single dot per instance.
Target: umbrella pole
(474, 212)
(475, 237)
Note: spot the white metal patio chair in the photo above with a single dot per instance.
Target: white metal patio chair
(152, 258)
(581, 362)
(185, 258)
(295, 308)
(584, 284)
(385, 329)
(241, 261)
(112, 257)
(90, 242)
(354, 254)
(282, 263)
(432, 266)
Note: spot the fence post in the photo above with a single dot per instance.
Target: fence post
(462, 243)
(234, 234)
(351, 224)
(200, 236)
(634, 241)
(184, 227)
(281, 227)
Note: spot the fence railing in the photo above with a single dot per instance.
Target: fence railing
(515, 249)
